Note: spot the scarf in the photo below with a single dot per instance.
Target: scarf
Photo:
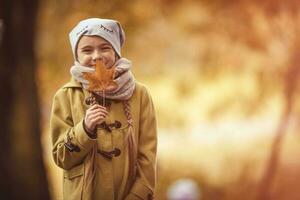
(126, 86)
(124, 79)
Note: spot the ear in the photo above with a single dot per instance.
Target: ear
(121, 34)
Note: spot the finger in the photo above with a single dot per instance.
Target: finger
(96, 106)
(97, 120)
(98, 111)
(92, 116)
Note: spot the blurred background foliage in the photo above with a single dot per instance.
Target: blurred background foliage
(224, 80)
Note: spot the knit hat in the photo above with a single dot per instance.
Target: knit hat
(108, 29)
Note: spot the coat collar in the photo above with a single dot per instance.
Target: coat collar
(72, 83)
(75, 84)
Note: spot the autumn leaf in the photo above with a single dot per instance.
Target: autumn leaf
(102, 79)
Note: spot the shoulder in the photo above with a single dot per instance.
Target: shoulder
(67, 89)
(142, 92)
(141, 88)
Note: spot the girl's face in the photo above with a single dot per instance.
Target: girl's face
(91, 48)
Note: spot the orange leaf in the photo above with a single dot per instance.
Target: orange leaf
(102, 79)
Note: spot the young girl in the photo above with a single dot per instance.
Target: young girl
(105, 142)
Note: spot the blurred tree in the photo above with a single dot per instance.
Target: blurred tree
(21, 164)
(290, 79)
(259, 25)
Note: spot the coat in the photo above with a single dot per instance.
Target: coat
(71, 144)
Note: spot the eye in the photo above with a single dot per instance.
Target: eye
(86, 50)
(106, 48)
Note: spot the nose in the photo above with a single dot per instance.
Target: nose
(97, 55)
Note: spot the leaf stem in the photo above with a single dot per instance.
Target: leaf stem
(103, 96)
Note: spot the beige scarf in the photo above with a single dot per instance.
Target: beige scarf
(124, 79)
(126, 86)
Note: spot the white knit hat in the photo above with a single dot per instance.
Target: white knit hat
(108, 29)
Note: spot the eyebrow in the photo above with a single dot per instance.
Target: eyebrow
(105, 44)
(101, 45)
(85, 47)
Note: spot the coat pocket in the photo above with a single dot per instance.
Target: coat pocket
(73, 183)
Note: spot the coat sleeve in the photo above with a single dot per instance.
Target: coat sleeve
(143, 187)
(66, 134)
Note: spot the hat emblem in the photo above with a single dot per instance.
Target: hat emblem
(106, 29)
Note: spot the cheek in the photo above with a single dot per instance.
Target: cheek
(109, 58)
(84, 59)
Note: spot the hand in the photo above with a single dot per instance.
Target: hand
(94, 116)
